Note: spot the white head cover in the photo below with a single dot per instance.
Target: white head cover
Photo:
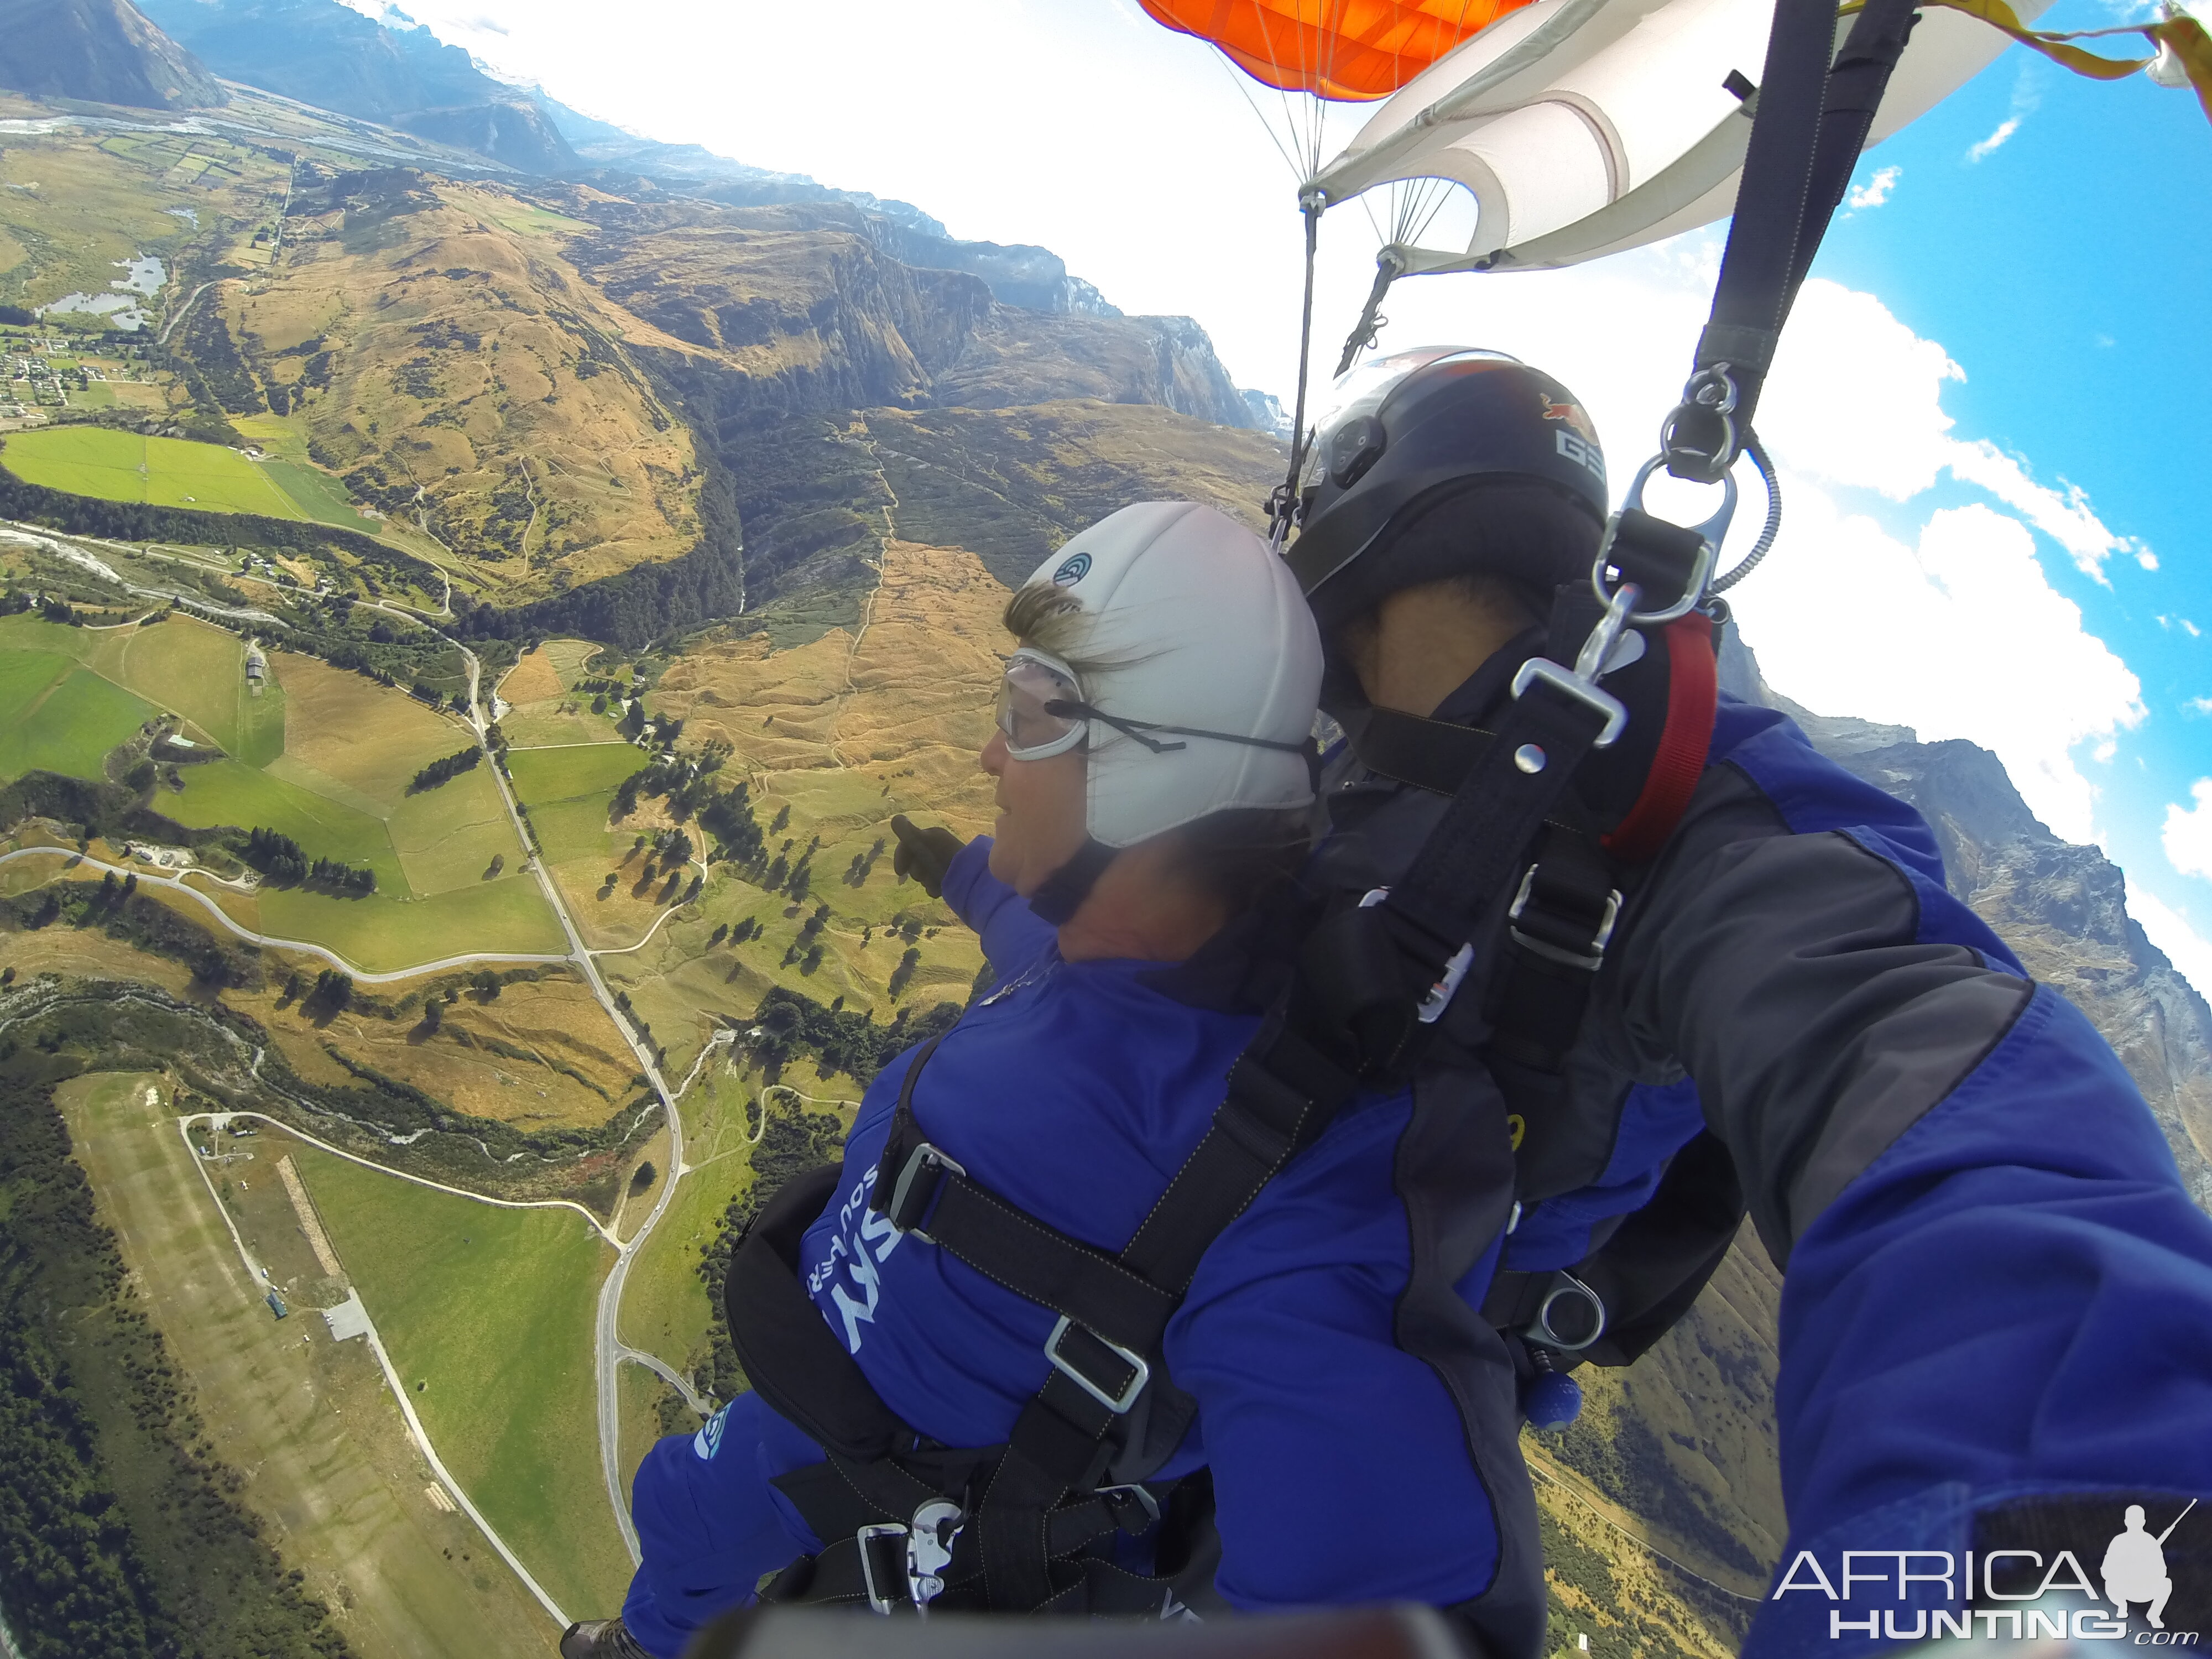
(1192, 621)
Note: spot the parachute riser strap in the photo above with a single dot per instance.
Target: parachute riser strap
(1810, 124)
(1283, 507)
(1389, 265)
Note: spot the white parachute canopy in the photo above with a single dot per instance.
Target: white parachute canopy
(1584, 127)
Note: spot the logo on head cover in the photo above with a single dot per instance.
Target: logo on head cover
(1573, 414)
(1073, 570)
(708, 1440)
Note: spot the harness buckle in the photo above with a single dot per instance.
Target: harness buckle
(1710, 535)
(1581, 682)
(866, 1539)
(907, 1207)
(1699, 438)
(1118, 1404)
(1118, 1497)
(1573, 1291)
(1588, 961)
(1438, 996)
(929, 1543)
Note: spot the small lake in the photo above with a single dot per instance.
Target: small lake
(142, 278)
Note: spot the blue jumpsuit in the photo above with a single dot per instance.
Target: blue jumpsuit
(2002, 1289)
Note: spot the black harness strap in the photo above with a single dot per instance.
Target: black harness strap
(1431, 755)
(1810, 125)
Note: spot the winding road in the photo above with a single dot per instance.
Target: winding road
(269, 941)
(609, 1352)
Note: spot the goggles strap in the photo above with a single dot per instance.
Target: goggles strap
(1065, 888)
(1066, 709)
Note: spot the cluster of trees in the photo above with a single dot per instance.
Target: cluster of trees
(164, 1560)
(729, 818)
(840, 1039)
(136, 521)
(50, 606)
(807, 948)
(446, 769)
(863, 865)
(279, 857)
(902, 975)
(122, 912)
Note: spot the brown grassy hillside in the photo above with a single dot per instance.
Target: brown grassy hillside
(444, 359)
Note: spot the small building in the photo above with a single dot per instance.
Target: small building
(277, 1304)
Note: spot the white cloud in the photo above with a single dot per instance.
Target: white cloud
(2200, 705)
(2187, 837)
(1876, 189)
(1857, 398)
(2190, 628)
(1962, 635)
(2026, 98)
(1990, 145)
(2146, 558)
(2064, 515)
(2188, 950)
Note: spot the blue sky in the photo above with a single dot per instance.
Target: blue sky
(1992, 413)
(2066, 270)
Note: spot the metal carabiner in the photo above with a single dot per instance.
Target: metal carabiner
(1711, 533)
(1580, 683)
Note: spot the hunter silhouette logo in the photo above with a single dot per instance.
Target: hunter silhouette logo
(2048, 1569)
(2135, 1566)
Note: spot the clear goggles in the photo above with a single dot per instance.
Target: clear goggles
(1042, 712)
(1041, 708)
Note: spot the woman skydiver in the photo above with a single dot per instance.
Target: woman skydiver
(1154, 771)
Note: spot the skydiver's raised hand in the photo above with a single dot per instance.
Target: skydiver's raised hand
(924, 855)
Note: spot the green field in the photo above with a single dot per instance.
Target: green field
(67, 724)
(570, 830)
(230, 792)
(489, 1311)
(123, 466)
(665, 1309)
(320, 496)
(386, 935)
(25, 674)
(446, 836)
(331, 1468)
(552, 775)
(431, 851)
(199, 672)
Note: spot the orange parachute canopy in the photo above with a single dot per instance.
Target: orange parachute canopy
(1347, 49)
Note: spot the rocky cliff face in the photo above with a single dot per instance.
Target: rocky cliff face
(99, 51)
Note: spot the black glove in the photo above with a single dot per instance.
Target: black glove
(924, 855)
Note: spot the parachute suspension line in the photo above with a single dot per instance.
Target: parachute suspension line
(1285, 507)
(1389, 265)
(1770, 529)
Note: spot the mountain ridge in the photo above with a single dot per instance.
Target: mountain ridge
(327, 55)
(101, 51)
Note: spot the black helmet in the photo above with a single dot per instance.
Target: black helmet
(1446, 461)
